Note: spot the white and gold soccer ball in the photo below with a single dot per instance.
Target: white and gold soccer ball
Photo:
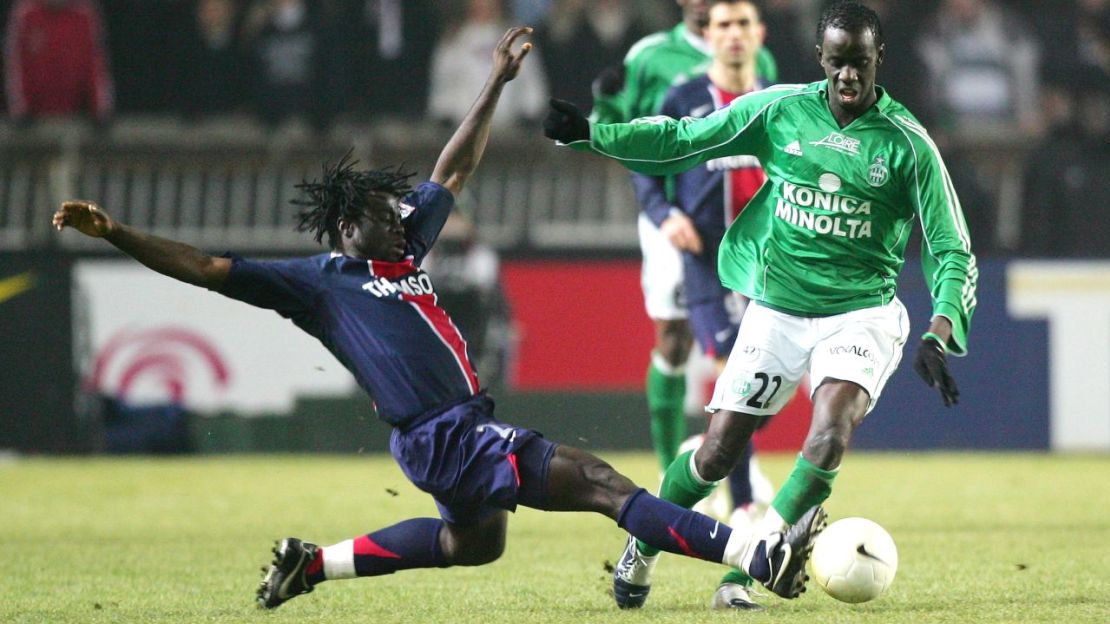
(854, 560)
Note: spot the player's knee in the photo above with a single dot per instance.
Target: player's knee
(714, 460)
(476, 544)
(673, 342)
(607, 485)
(603, 477)
(827, 442)
(475, 552)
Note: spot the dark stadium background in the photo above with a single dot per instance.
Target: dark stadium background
(563, 228)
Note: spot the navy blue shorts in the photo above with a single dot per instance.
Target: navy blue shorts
(714, 327)
(473, 464)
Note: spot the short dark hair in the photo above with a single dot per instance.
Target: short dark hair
(758, 6)
(849, 16)
(342, 194)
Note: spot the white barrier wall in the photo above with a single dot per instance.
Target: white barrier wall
(151, 339)
(1074, 297)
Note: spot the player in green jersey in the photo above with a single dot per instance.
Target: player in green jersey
(662, 60)
(817, 251)
(652, 66)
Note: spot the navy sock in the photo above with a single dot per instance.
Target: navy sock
(408, 544)
(669, 527)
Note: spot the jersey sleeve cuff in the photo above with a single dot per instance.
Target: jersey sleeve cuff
(957, 342)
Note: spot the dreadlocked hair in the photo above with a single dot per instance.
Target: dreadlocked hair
(850, 17)
(342, 193)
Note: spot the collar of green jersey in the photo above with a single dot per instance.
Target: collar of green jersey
(681, 33)
(882, 103)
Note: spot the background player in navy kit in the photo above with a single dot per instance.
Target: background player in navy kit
(372, 306)
(707, 199)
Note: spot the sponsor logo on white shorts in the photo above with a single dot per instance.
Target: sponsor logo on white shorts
(855, 350)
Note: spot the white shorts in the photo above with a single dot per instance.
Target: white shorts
(774, 350)
(661, 274)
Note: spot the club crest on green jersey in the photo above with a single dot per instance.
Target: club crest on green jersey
(877, 173)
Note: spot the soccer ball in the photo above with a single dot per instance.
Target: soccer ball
(854, 560)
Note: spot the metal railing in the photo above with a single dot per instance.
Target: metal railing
(230, 187)
(227, 185)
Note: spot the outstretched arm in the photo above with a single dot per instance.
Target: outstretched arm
(460, 157)
(177, 260)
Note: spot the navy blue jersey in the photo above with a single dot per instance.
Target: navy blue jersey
(711, 194)
(380, 319)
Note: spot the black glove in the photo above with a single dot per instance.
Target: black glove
(931, 364)
(609, 82)
(565, 123)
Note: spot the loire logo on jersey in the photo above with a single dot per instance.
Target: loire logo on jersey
(412, 284)
(840, 143)
(796, 199)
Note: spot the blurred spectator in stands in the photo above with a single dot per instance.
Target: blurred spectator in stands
(55, 60)
(532, 13)
(1068, 176)
(468, 284)
(284, 46)
(392, 45)
(1071, 39)
(902, 67)
(982, 69)
(583, 37)
(791, 40)
(462, 60)
(211, 65)
(1092, 35)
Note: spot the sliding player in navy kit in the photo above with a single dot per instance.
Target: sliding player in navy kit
(372, 306)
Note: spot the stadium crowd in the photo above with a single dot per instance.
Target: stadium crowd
(1030, 76)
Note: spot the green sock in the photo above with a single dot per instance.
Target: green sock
(736, 576)
(806, 486)
(680, 487)
(666, 394)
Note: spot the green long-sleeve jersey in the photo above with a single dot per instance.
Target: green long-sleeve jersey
(827, 232)
(658, 62)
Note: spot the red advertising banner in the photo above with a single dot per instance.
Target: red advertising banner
(582, 325)
(583, 328)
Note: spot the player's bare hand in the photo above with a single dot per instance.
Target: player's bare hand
(680, 230)
(85, 217)
(506, 64)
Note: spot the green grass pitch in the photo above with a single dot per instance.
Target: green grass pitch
(981, 537)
